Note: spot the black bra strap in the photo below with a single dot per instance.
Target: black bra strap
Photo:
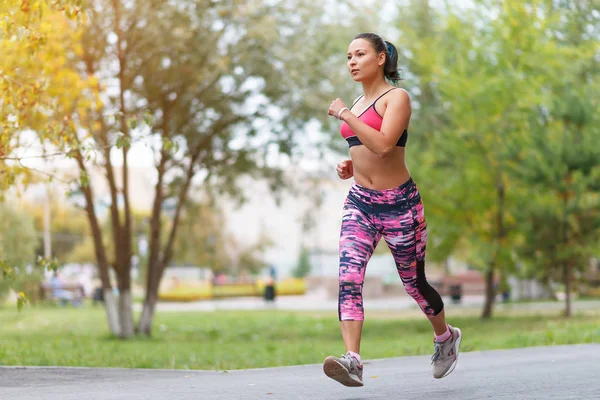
(382, 96)
(356, 101)
(373, 103)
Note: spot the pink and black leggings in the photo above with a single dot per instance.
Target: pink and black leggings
(398, 215)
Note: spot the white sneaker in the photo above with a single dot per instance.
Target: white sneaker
(445, 356)
(346, 370)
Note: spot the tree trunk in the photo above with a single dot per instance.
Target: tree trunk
(125, 301)
(156, 263)
(122, 233)
(565, 242)
(112, 314)
(101, 259)
(126, 314)
(152, 277)
(153, 282)
(490, 292)
(145, 323)
(110, 302)
(567, 282)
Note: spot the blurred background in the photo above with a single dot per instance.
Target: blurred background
(177, 157)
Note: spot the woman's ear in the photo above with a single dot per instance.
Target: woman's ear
(381, 59)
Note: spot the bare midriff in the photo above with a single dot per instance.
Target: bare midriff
(379, 173)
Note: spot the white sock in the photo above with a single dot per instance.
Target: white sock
(355, 355)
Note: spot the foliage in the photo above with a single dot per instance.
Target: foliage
(37, 40)
(303, 266)
(504, 113)
(68, 228)
(18, 241)
(206, 87)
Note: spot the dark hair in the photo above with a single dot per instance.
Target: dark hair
(390, 68)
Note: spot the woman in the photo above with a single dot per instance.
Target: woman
(383, 202)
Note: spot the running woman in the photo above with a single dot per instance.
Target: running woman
(383, 201)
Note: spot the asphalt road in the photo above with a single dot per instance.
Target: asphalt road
(557, 372)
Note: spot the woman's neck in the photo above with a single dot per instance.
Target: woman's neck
(374, 88)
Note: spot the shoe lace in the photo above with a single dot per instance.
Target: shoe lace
(351, 361)
(437, 352)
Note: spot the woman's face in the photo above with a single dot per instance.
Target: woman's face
(364, 62)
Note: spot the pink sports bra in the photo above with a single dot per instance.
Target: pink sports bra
(372, 118)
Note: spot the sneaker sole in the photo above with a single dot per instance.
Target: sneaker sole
(456, 350)
(338, 372)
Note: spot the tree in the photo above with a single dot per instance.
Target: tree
(18, 242)
(202, 240)
(207, 85)
(84, 252)
(303, 267)
(68, 228)
(559, 162)
(487, 69)
(34, 38)
(33, 81)
(421, 37)
(28, 44)
(250, 257)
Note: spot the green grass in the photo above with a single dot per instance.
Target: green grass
(232, 340)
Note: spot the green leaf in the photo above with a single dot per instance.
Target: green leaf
(123, 142)
(49, 264)
(148, 119)
(84, 179)
(7, 270)
(132, 123)
(21, 300)
(170, 145)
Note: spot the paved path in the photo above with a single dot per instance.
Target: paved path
(560, 372)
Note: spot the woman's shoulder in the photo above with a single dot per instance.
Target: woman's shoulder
(397, 98)
(398, 93)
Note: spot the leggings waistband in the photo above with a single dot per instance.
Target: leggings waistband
(405, 193)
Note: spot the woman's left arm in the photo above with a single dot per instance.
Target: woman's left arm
(395, 121)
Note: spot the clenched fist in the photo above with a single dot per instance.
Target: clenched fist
(336, 107)
(345, 169)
